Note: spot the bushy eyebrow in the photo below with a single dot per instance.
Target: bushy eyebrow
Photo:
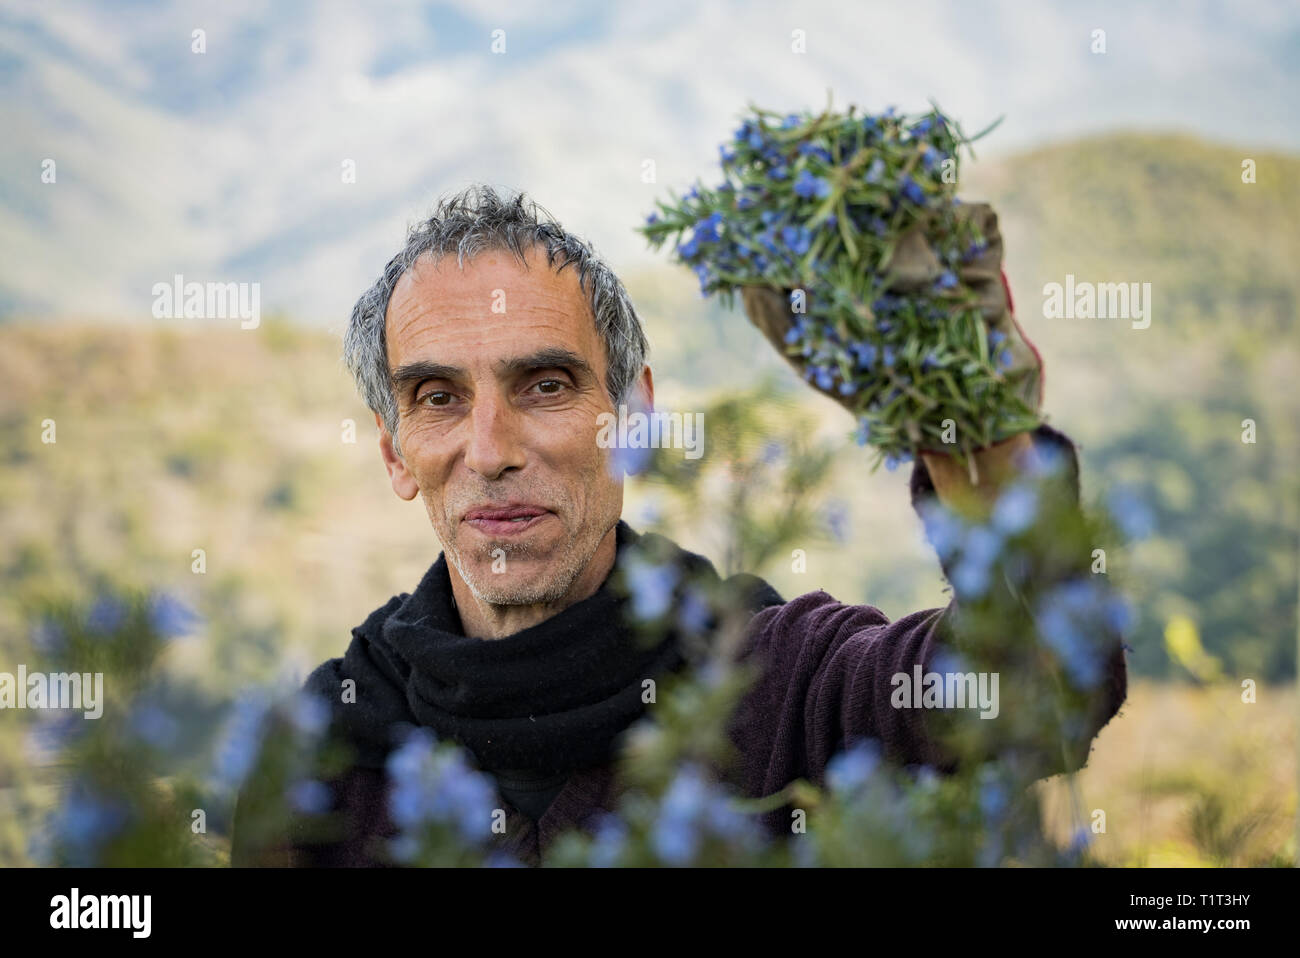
(420, 370)
(553, 357)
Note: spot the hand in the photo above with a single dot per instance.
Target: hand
(914, 267)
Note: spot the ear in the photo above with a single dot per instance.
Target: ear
(646, 385)
(404, 483)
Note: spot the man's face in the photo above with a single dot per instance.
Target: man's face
(499, 376)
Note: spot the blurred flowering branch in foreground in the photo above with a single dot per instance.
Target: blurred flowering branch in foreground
(153, 780)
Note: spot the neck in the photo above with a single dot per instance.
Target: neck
(487, 620)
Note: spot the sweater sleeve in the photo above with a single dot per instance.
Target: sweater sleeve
(826, 677)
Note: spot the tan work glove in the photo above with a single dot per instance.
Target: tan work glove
(914, 267)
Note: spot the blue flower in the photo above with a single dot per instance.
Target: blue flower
(912, 191)
(85, 821)
(1134, 517)
(947, 280)
(798, 239)
(1005, 359)
(863, 432)
(52, 731)
(824, 377)
(106, 615)
(611, 834)
(808, 186)
(47, 635)
(1015, 509)
(875, 171)
(695, 613)
(1047, 462)
(153, 724)
(688, 249)
(970, 579)
(837, 519)
(725, 821)
(170, 617)
(982, 544)
(437, 785)
(791, 121)
(1079, 842)
(944, 528)
(866, 354)
(1067, 617)
(309, 797)
(994, 798)
(980, 547)
(708, 230)
(651, 587)
(1117, 612)
(676, 834)
(309, 713)
(629, 458)
(852, 768)
(242, 739)
(652, 219)
(810, 149)
(889, 356)
(675, 840)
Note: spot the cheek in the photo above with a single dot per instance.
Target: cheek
(425, 464)
(581, 451)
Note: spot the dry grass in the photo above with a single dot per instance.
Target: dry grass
(1189, 776)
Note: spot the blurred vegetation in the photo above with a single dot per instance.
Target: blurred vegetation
(172, 439)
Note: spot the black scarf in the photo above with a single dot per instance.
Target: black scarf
(552, 697)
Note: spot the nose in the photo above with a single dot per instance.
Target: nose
(494, 442)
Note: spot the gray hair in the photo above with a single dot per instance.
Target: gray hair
(473, 221)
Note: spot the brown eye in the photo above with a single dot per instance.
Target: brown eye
(435, 398)
(550, 382)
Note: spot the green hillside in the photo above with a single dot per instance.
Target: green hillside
(230, 441)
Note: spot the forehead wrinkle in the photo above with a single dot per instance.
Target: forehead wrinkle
(549, 307)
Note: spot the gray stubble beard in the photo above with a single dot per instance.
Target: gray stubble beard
(516, 594)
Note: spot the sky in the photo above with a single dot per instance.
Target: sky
(227, 165)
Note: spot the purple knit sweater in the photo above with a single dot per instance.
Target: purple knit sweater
(823, 681)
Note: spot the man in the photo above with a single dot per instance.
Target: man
(487, 350)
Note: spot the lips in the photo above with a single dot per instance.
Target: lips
(507, 520)
(506, 513)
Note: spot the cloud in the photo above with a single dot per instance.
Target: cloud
(227, 165)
